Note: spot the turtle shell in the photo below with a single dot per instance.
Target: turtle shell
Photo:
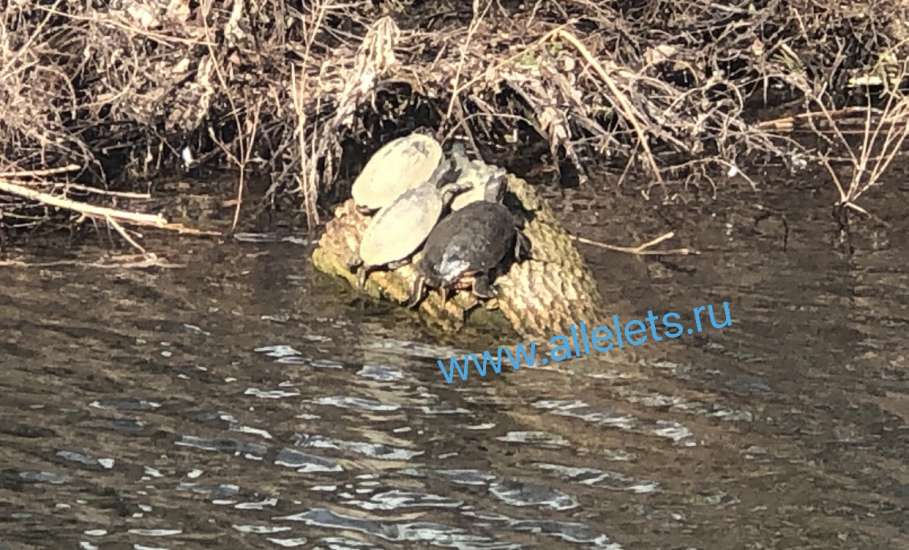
(401, 227)
(399, 165)
(485, 183)
(474, 239)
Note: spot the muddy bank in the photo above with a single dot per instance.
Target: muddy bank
(681, 93)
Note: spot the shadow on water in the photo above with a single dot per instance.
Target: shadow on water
(248, 402)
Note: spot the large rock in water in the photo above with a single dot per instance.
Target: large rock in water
(541, 296)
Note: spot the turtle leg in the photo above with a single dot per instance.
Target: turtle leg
(361, 277)
(482, 287)
(521, 247)
(416, 294)
(353, 264)
(445, 290)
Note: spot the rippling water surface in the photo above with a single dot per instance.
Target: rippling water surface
(245, 401)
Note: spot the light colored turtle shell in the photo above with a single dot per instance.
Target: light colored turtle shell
(401, 227)
(482, 179)
(401, 164)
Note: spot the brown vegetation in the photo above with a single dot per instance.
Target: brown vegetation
(128, 89)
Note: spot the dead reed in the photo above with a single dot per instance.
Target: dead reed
(674, 91)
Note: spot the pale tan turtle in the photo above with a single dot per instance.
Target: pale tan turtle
(487, 182)
(398, 230)
(399, 165)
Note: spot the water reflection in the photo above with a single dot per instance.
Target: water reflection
(247, 402)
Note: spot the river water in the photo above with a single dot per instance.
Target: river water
(246, 401)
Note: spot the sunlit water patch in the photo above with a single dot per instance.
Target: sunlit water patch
(247, 402)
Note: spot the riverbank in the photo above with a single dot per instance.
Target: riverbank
(670, 100)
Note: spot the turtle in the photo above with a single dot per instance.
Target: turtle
(398, 230)
(470, 243)
(487, 182)
(399, 165)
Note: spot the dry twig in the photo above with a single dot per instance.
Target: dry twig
(642, 249)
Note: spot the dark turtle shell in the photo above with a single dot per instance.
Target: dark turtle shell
(471, 240)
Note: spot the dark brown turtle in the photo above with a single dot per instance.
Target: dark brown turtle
(469, 245)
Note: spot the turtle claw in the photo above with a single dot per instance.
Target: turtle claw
(482, 288)
(353, 264)
(446, 294)
(521, 247)
(416, 294)
(361, 278)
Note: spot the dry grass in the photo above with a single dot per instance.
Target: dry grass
(127, 90)
(884, 131)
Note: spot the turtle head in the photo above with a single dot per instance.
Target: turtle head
(446, 179)
(459, 156)
(495, 187)
(446, 172)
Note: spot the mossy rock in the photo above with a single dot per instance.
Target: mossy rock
(540, 296)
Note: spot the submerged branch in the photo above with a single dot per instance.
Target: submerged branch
(88, 210)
